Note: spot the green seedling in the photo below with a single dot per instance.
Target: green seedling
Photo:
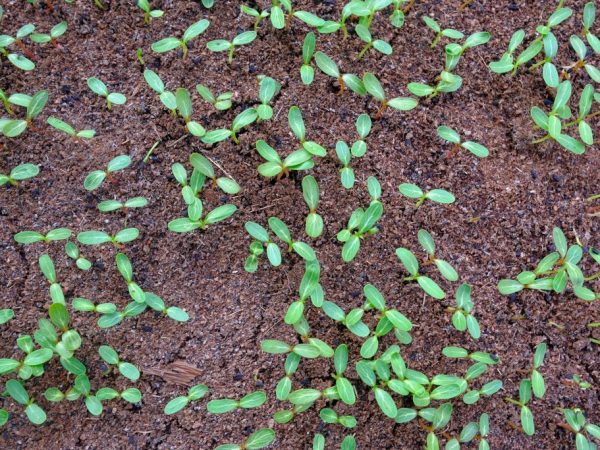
(95, 179)
(330, 68)
(449, 135)
(554, 127)
(581, 51)
(589, 17)
(18, 60)
(158, 304)
(538, 386)
(470, 433)
(156, 84)
(360, 225)
(445, 268)
(263, 239)
(578, 381)
(205, 167)
(330, 416)
(125, 268)
(295, 312)
(178, 403)
(346, 172)
(115, 205)
(149, 13)
(545, 41)
(277, 15)
(365, 35)
(31, 237)
(66, 128)
(98, 87)
(55, 32)
(6, 102)
(477, 356)
(527, 421)
(411, 264)
(584, 430)
(374, 88)
(111, 319)
(455, 51)
(241, 121)
(435, 195)
(447, 82)
(268, 89)
(100, 237)
(171, 43)
(15, 127)
(307, 72)
(555, 271)
(221, 45)
(277, 347)
(72, 252)
(284, 385)
(6, 315)
(225, 405)
(183, 104)
(111, 357)
(195, 221)
(462, 315)
(48, 270)
(33, 411)
(439, 32)
(19, 173)
(221, 102)
(139, 54)
(310, 191)
(257, 440)
(258, 15)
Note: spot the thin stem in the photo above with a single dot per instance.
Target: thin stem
(184, 48)
(230, 60)
(108, 104)
(438, 36)
(592, 277)
(593, 197)
(364, 50)
(147, 157)
(538, 64)
(540, 140)
(408, 7)
(381, 110)
(464, 5)
(234, 137)
(342, 85)
(576, 121)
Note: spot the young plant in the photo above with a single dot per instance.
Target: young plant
(449, 135)
(125, 268)
(310, 191)
(346, 172)
(411, 264)
(268, 89)
(360, 225)
(445, 268)
(111, 357)
(584, 430)
(257, 440)
(374, 88)
(330, 68)
(225, 405)
(98, 87)
(66, 128)
(205, 167)
(307, 73)
(94, 179)
(258, 15)
(55, 32)
(462, 315)
(241, 121)
(171, 43)
(149, 13)
(17, 59)
(15, 127)
(114, 205)
(19, 394)
(19, 173)
(122, 237)
(166, 97)
(527, 422)
(435, 195)
(365, 35)
(221, 102)
(31, 237)
(439, 32)
(178, 403)
(72, 252)
(195, 221)
(221, 45)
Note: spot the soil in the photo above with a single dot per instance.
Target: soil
(500, 224)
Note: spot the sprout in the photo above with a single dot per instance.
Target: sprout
(100, 237)
(204, 166)
(268, 89)
(439, 33)
(114, 205)
(374, 88)
(149, 13)
(258, 15)
(221, 45)
(225, 405)
(360, 225)
(19, 173)
(242, 120)
(111, 357)
(221, 102)
(66, 128)
(55, 32)
(449, 135)
(314, 222)
(94, 179)
(257, 440)
(171, 43)
(17, 392)
(462, 317)
(365, 35)
(72, 252)
(307, 73)
(435, 195)
(35, 105)
(98, 87)
(166, 97)
(31, 237)
(16, 59)
(178, 403)
(329, 67)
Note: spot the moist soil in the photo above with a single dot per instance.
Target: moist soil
(500, 224)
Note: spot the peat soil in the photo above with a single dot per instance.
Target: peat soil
(500, 224)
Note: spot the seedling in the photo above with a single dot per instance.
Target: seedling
(314, 222)
(72, 252)
(439, 32)
(17, 392)
(365, 35)
(126, 270)
(268, 89)
(581, 51)
(98, 87)
(183, 103)
(221, 45)
(221, 102)
(95, 179)
(411, 264)
(225, 405)
(55, 32)
(257, 440)
(66, 128)
(277, 16)
(580, 382)
(360, 225)
(158, 304)
(111, 357)
(19, 173)
(13, 128)
(149, 13)
(16, 59)
(115, 205)
(445, 268)
(258, 15)
(462, 315)
(330, 68)
(346, 172)
(307, 73)
(584, 430)
(178, 403)
(527, 421)
(171, 43)
(589, 17)
(195, 221)
(100, 237)
(538, 385)
(205, 167)
(555, 271)
(374, 88)
(166, 97)
(48, 270)
(241, 121)
(470, 432)
(31, 237)
(435, 195)
(330, 416)
(477, 356)
(449, 135)
(447, 82)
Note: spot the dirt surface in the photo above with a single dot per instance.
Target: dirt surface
(519, 193)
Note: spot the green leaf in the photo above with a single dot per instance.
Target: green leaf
(508, 287)
(325, 63)
(97, 86)
(35, 414)
(244, 38)
(386, 403)
(220, 213)
(477, 149)
(373, 86)
(260, 439)
(176, 405)
(431, 287)
(184, 103)
(253, 400)
(119, 163)
(411, 190)
(304, 396)
(17, 392)
(221, 406)
(195, 29)
(537, 384)
(350, 248)
(403, 103)
(296, 123)
(527, 421)
(214, 136)
(408, 260)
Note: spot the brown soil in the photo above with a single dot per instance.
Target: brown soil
(519, 193)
